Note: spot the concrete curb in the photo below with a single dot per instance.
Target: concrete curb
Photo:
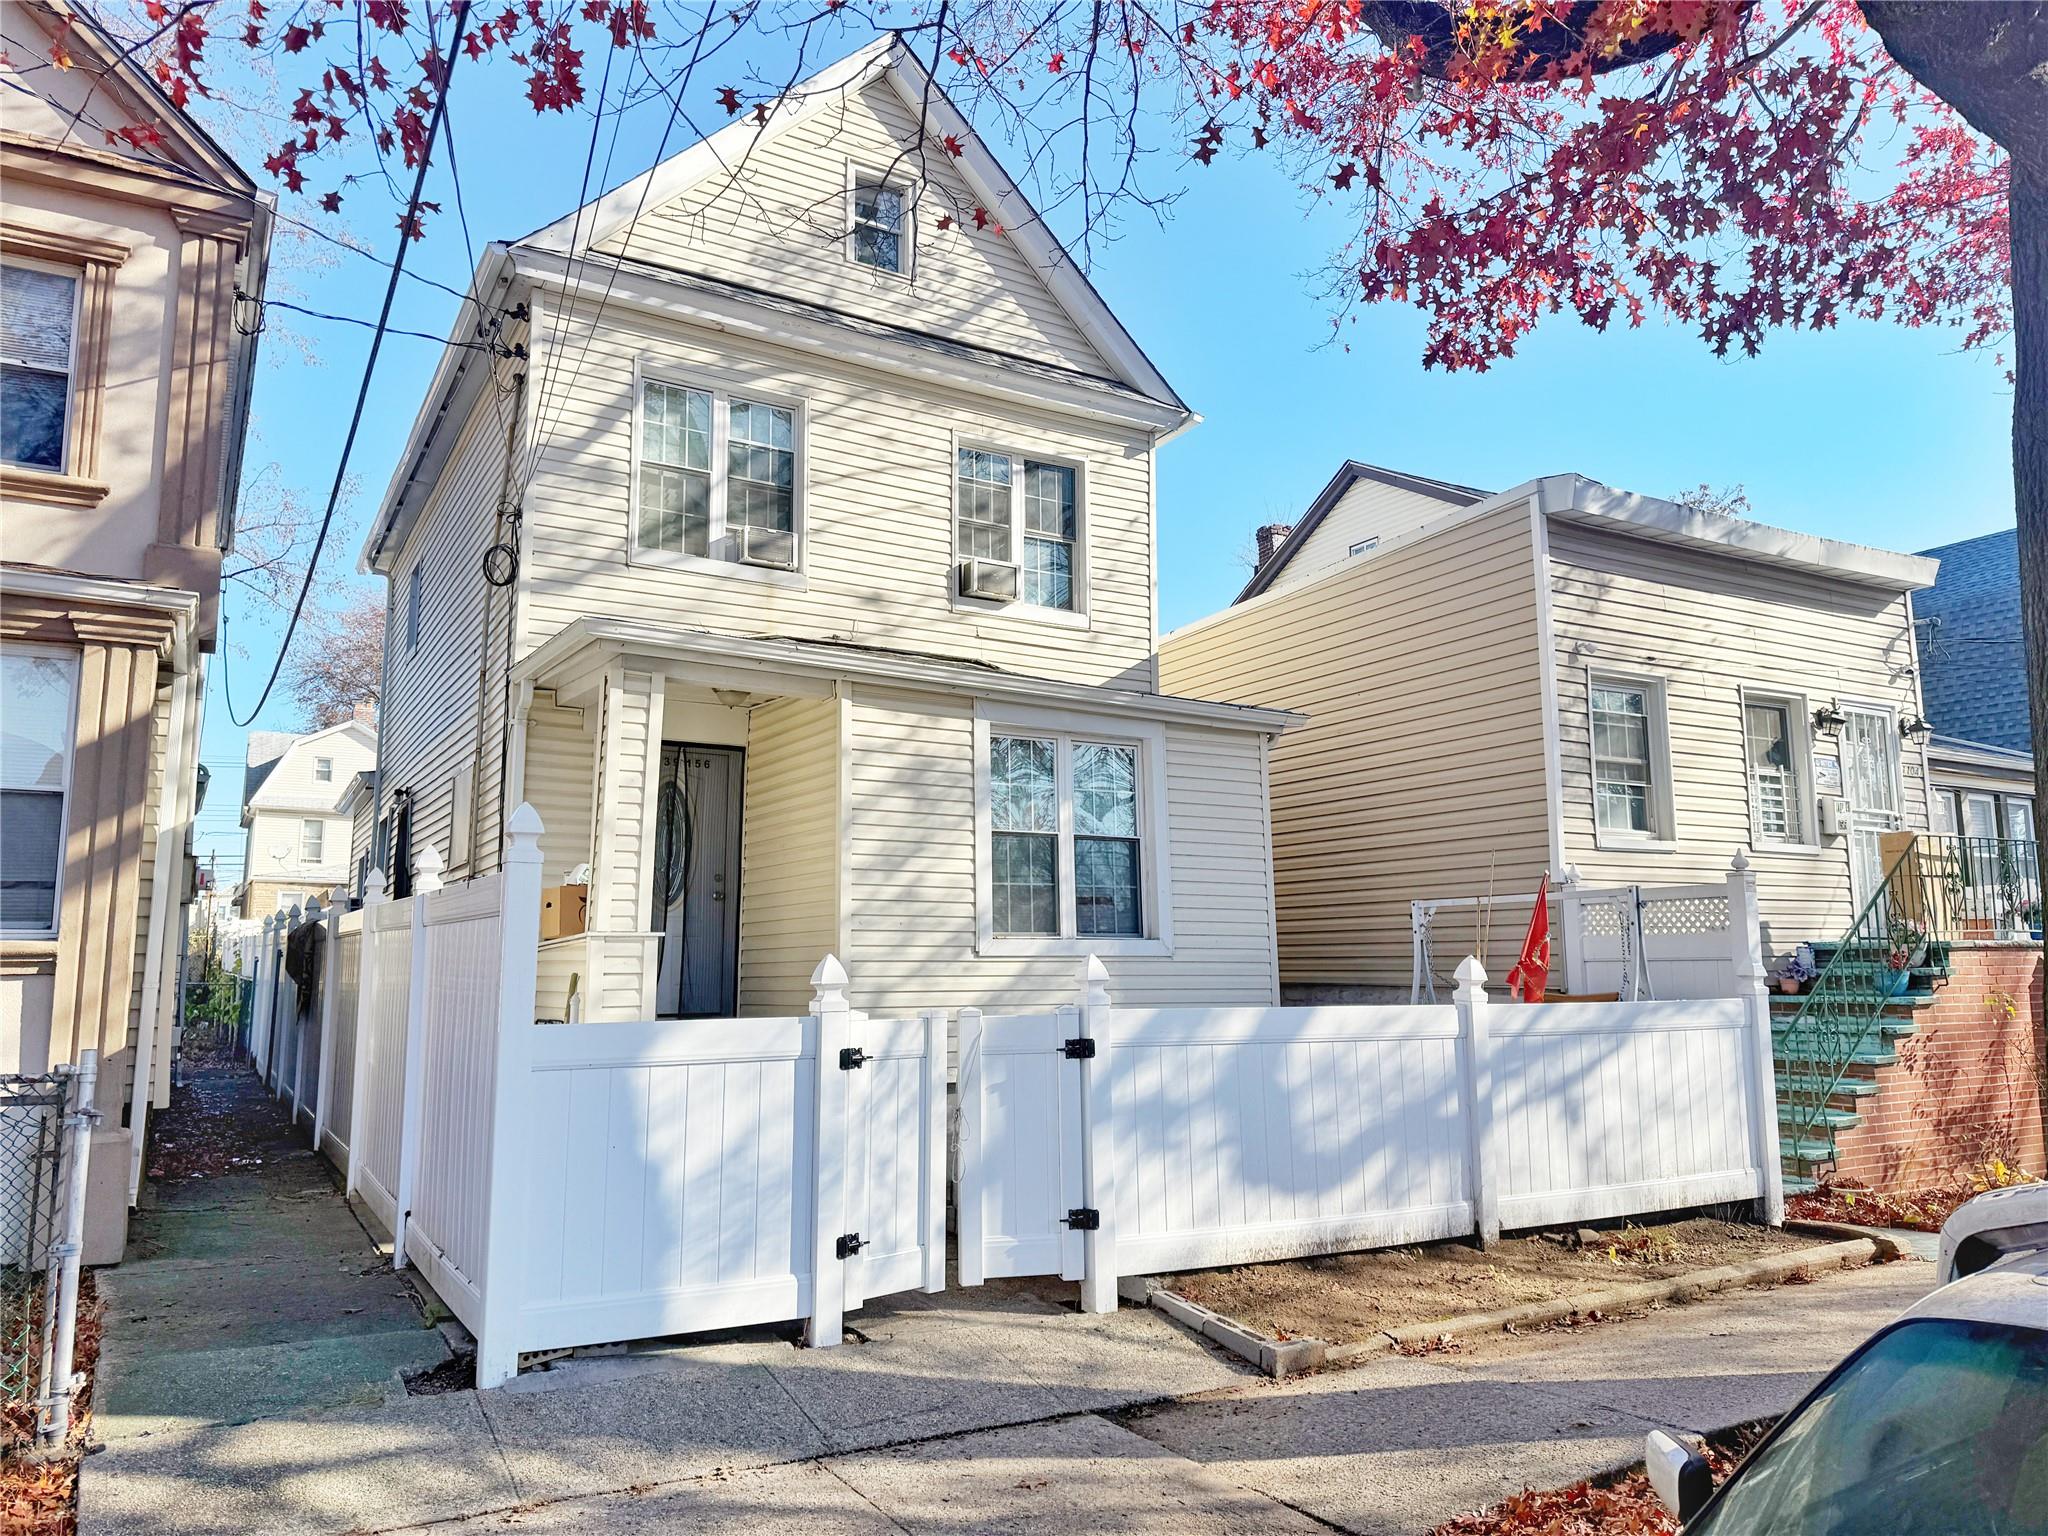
(1888, 1247)
(1281, 1358)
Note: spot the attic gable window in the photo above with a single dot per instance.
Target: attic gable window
(879, 227)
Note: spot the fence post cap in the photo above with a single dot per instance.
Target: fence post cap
(1471, 973)
(427, 865)
(375, 886)
(525, 821)
(1740, 862)
(830, 973)
(1094, 972)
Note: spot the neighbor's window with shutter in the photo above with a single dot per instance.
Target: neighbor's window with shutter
(1065, 818)
(1778, 756)
(1016, 510)
(38, 699)
(718, 476)
(38, 314)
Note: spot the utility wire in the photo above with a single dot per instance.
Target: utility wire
(405, 236)
(389, 330)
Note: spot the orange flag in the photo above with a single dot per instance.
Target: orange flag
(1531, 973)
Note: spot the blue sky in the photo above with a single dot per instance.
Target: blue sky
(1875, 434)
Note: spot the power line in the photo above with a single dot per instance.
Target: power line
(407, 226)
(495, 348)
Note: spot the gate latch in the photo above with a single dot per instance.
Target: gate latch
(1081, 1048)
(849, 1245)
(851, 1056)
(1085, 1219)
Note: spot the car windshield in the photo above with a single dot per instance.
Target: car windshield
(1937, 1426)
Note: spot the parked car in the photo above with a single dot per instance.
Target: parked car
(1937, 1424)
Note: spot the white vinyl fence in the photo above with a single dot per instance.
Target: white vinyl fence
(1639, 941)
(1099, 1141)
(569, 1184)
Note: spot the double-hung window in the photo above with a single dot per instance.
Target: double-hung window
(1774, 738)
(1072, 851)
(880, 231)
(323, 770)
(1024, 512)
(1631, 768)
(38, 700)
(718, 477)
(312, 841)
(38, 318)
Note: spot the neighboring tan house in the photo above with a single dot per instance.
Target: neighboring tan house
(1562, 677)
(297, 813)
(827, 610)
(124, 234)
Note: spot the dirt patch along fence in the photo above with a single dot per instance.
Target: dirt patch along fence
(1099, 1142)
(45, 1141)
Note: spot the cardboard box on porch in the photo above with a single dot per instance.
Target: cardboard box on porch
(564, 909)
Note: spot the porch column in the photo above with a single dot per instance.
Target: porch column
(622, 840)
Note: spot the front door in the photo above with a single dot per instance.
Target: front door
(697, 881)
(1870, 775)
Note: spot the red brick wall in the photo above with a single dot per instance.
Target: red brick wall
(1968, 1085)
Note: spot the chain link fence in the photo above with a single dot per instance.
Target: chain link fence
(44, 1134)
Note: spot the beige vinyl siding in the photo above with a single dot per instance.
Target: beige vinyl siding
(911, 918)
(1706, 626)
(430, 707)
(159, 744)
(362, 834)
(561, 762)
(1420, 772)
(878, 556)
(1369, 510)
(778, 221)
(789, 872)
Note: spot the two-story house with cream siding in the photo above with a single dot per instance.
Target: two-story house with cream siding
(793, 555)
(1569, 679)
(296, 814)
(125, 232)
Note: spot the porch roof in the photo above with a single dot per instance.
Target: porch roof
(574, 658)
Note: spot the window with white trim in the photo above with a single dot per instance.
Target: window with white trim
(323, 770)
(717, 476)
(1067, 855)
(878, 216)
(312, 840)
(1774, 739)
(286, 900)
(38, 702)
(1631, 768)
(1013, 510)
(38, 319)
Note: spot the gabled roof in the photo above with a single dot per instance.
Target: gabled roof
(889, 60)
(557, 254)
(1349, 475)
(269, 749)
(185, 148)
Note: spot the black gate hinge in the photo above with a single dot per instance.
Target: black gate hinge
(1081, 1048)
(1085, 1219)
(850, 1057)
(849, 1245)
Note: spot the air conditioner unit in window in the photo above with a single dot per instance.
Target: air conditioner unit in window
(988, 578)
(772, 547)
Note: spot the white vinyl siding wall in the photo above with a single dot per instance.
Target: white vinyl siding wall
(911, 920)
(1708, 627)
(1421, 767)
(789, 872)
(1369, 510)
(781, 225)
(878, 548)
(430, 706)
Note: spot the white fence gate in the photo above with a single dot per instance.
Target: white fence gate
(570, 1184)
(1101, 1141)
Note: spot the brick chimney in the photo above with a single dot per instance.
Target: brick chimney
(364, 712)
(1270, 538)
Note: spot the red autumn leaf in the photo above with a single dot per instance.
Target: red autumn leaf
(981, 218)
(1056, 63)
(729, 99)
(331, 203)
(954, 147)
(295, 39)
(1341, 178)
(945, 221)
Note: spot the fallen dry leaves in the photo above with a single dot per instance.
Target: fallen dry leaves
(1605, 1506)
(39, 1493)
(1921, 1210)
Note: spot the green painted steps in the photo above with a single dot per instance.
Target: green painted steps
(1829, 1116)
(1847, 1088)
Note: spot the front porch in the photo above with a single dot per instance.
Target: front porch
(741, 807)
